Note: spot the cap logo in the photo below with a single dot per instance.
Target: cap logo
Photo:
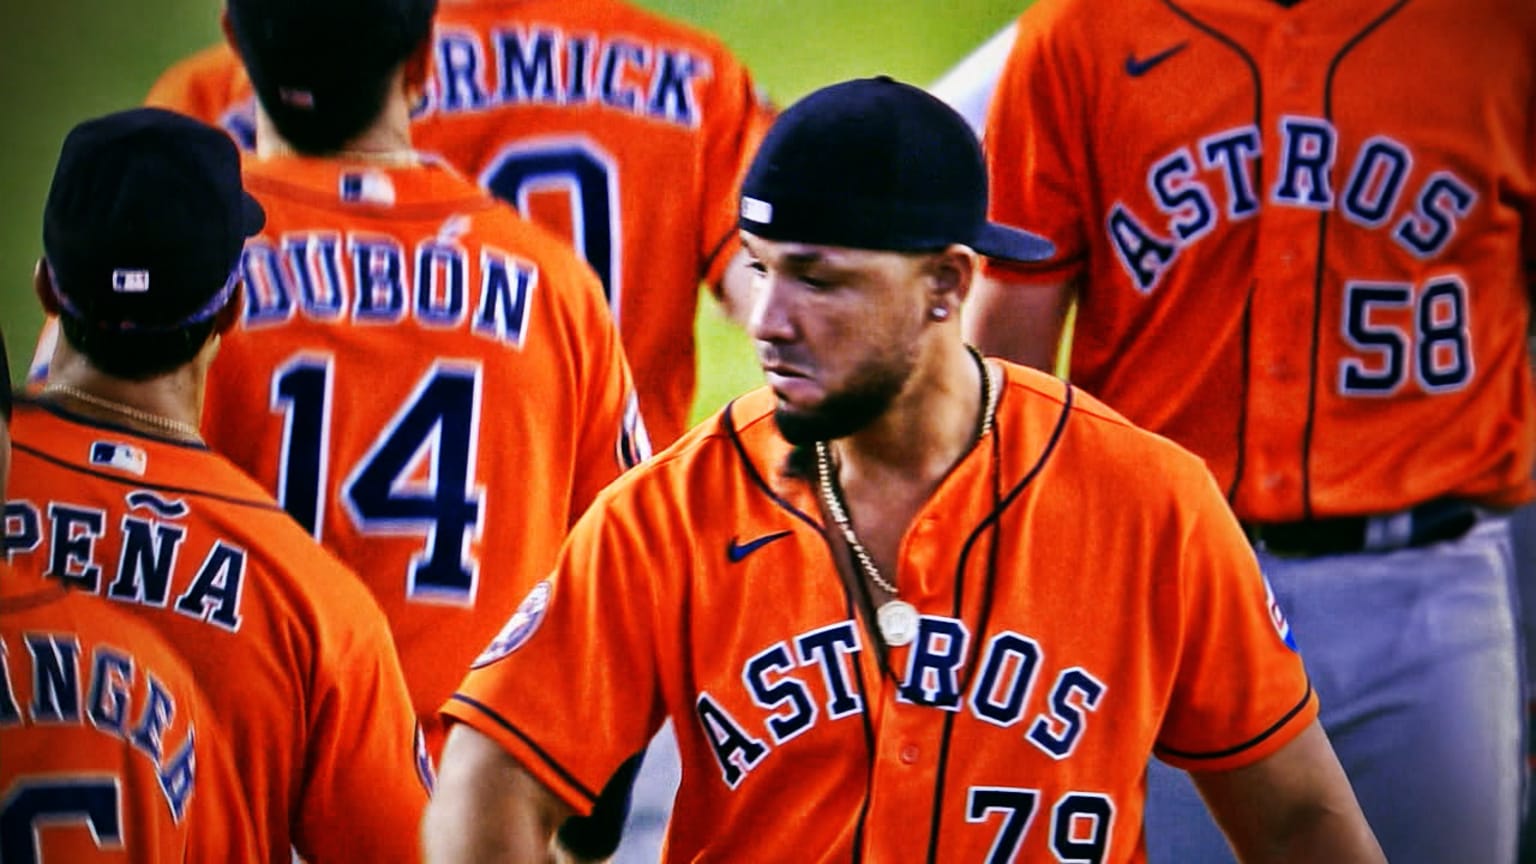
(756, 210)
(296, 98)
(130, 281)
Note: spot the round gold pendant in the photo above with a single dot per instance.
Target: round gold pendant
(898, 622)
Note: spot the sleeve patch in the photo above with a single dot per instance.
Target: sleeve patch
(519, 628)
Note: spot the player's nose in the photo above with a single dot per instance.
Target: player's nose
(771, 318)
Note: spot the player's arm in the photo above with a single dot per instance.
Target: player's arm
(1294, 805)
(1018, 321)
(486, 807)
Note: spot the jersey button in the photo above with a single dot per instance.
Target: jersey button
(909, 754)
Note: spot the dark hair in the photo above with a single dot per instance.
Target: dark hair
(322, 68)
(321, 134)
(136, 355)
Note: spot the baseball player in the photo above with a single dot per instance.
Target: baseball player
(115, 494)
(149, 777)
(1299, 236)
(622, 131)
(431, 385)
(906, 604)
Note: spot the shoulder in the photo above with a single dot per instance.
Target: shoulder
(735, 450)
(1092, 437)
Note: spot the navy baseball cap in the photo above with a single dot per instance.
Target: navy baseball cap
(876, 164)
(145, 221)
(314, 57)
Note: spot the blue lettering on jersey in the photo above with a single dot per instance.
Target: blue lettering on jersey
(268, 299)
(541, 64)
(1306, 163)
(1235, 153)
(459, 68)
(55, 677)
(23, 529)
(1378, 185)
(786, 696)
(378, 278)
(56, 688)
(314, 262)
(10, 713)
(1445, 200)
(782, 686)
(1144, 255)
(1006, 678)
(505, 297)
(440, 283)
(1182, 197)
(735, 751)
(1076, 693)
(1376, 182)
(527, 64)
(74, 531)
(831, 649)
(158, 709)
(933, 664)
(146, 561)
(214, 595)
(111, 690)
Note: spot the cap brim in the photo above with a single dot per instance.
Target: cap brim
(253, 216)
(1012, 244)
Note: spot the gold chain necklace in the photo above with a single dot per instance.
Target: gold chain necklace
(175, 427)
(896, 617)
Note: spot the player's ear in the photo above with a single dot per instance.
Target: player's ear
(950, 273)
(42, 284)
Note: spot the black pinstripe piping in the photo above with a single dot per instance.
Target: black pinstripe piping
(728, 421)
(158, 487)
(1251, 742)
(1317, 276)
(993, 520)
(538, 751)
(1258, 165)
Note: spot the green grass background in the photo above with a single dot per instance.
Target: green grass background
(62, 61)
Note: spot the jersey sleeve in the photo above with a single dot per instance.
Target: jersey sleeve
(570, 687)
(737, 123)
(195, 86)
(1034, 145)
(1240, 692)
(367, 767)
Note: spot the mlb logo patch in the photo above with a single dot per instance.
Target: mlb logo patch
(519, 627)
(130, 281)
(756, 210)
(120, 457)
(367, 187)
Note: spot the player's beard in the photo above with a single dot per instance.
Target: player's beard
(863, 401)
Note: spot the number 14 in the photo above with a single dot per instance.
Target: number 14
(441, 420)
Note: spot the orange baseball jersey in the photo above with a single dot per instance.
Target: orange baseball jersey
(622, 131)
(111, 753)
(428, 383)
(1101, 604)
(288, 647)
(1312, 276)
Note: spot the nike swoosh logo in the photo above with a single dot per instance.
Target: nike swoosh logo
(1137, 68)
(737, 551)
